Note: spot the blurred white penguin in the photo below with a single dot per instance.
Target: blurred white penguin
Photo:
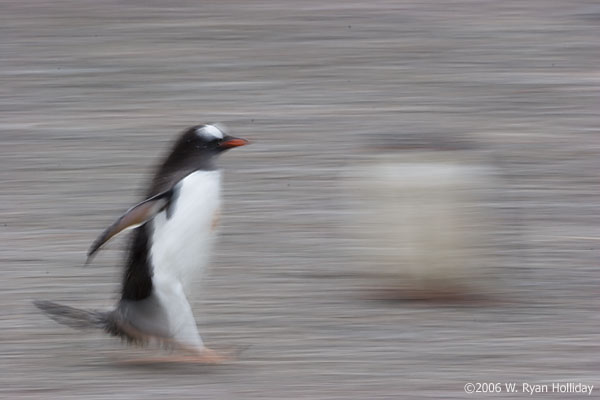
(418, 211)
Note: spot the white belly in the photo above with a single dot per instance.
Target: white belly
(181, 244)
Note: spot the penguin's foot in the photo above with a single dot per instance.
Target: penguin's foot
(205, 357)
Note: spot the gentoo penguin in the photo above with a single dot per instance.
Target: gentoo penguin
(174, 229)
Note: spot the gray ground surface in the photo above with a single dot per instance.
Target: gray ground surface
(93, 91)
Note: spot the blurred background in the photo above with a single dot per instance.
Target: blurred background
(418, 210)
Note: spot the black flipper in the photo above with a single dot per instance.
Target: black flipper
(134, 217)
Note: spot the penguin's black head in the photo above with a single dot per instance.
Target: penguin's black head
(211, 138)
(196, 149)
(202, 143)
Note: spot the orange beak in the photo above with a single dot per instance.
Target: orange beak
(230, 142)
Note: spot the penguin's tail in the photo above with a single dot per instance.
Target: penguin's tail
(75, 317)
(111, 322)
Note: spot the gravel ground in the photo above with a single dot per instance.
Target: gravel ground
(93, 92)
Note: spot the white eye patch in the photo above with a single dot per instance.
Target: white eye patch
(211, 131)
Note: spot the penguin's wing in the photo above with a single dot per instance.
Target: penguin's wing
(134, 217)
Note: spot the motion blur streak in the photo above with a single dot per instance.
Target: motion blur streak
(485, 270)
